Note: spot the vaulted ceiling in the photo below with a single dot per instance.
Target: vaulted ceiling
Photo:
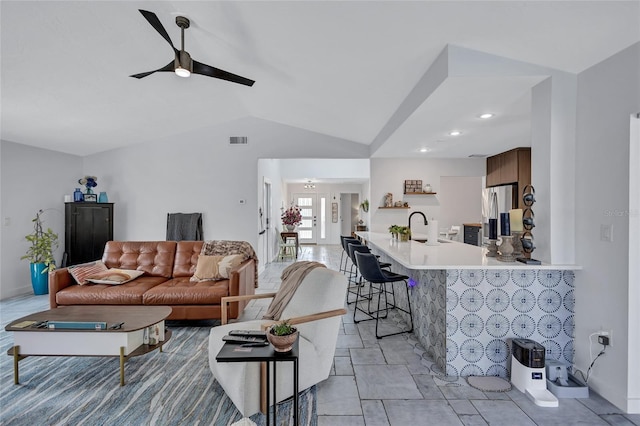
(340, 68)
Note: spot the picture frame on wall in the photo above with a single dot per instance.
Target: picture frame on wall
(334, 212)
(90, 198)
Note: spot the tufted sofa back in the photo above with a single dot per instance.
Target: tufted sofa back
(187, 253)
(153, 257)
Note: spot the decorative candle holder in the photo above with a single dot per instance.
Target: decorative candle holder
(526, 239)
(517, 243)
(505, 250)
(492, 248)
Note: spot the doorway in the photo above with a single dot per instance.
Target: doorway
(350, 209)
(307, 230)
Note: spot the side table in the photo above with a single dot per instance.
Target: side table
(235, 352)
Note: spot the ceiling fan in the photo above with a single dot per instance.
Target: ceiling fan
(183, 65)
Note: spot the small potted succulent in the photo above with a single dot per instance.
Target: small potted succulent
(282, 336)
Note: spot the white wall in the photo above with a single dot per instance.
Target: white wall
(633, 321)
(200, 172)
(269, 171)
(388, 175)
(608, 93)
(460, 201)
(32, 179)
(322, 168)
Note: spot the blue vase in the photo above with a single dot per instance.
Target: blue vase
(102, 198)
(78, 196)
(39, 280)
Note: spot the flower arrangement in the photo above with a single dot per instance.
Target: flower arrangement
(292, 216)
(89, 182)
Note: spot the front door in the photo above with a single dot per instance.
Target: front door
(307, 230)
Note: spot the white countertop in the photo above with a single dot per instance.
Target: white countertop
(445, 255)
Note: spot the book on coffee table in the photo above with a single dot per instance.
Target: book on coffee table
(77, 325)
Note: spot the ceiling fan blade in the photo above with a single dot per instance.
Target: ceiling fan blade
(168, 67)
(155, 23)
(203, 69)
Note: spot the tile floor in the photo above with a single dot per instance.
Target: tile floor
(391, 381)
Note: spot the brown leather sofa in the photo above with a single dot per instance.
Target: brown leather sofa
(168, 266)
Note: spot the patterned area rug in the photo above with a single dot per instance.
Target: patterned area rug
(174, 387)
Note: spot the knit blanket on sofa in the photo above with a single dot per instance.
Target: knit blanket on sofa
(224, 247)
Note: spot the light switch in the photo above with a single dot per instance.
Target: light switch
(7, 221)
(606, 233)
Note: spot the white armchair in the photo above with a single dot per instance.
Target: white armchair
(315, 309)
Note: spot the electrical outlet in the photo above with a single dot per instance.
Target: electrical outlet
(604, 337)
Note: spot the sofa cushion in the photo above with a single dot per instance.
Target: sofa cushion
(181, 291)
(187, 253)
(153, 257)
(213, 268)
(80, 273)
(105, 294)
(115, 276)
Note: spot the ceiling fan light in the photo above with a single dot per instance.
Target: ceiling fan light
(182, 72)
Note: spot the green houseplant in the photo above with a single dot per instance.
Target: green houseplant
(404, 232)
(365, 205)
(40, 254)
(282, 335)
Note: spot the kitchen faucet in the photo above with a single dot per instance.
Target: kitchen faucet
(409, 224)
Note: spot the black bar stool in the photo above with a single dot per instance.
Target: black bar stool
(371, 271)
(355, 277)
(345, 251)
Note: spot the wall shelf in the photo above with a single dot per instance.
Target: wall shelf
(403, 207)
(420, 193)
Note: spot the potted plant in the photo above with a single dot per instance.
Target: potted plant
(394, 230)
(291, 217)
(404, 232)
(40, 254)
(282, 336)
(365, 205)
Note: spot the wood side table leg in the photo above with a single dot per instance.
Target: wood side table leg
(122, 360)
(16, 360)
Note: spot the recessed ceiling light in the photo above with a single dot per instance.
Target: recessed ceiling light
(455, 133)
(486, 115)
(424, 149)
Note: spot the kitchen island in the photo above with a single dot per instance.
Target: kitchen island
(467, 307)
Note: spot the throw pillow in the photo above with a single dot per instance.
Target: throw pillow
(228, 263)
(213, 268)
(81, 272)
(115, 276)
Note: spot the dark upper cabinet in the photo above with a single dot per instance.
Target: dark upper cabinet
(88, 226)
(510, 168)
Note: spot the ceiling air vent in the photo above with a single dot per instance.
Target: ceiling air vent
(477, 155)
(238, 140)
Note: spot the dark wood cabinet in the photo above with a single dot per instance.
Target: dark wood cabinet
(510, 168)
(88, 226)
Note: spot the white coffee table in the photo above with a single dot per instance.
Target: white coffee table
(124, 342)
